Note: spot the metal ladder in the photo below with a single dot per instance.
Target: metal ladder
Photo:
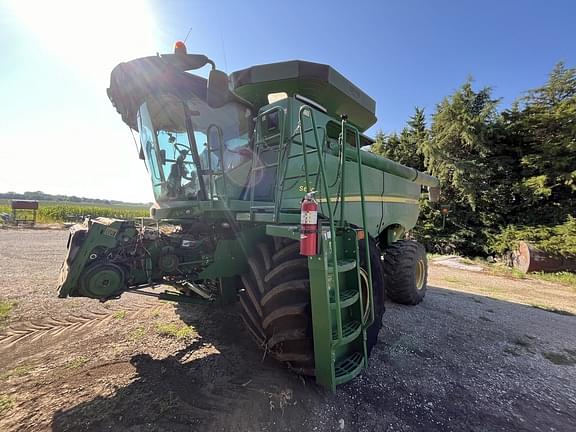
(339, 319)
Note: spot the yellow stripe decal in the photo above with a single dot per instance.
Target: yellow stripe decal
(375, 198)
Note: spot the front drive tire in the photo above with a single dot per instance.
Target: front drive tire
(275, 302)
(405, 268)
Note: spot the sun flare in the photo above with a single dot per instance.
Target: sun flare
(90, 37)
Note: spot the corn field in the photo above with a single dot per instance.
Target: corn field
(62, 212)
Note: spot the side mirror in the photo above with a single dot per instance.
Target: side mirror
(162, 157)
(218, 91)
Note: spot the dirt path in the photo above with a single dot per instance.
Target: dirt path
(459, 361)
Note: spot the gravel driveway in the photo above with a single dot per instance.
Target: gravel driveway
(459, 361)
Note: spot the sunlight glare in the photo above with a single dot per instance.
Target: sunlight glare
(90, 36)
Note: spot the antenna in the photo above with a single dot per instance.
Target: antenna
(187, 34)
(223, 48)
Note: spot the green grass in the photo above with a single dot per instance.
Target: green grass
(137, 334)
(177, 331)
(5, 403)
(564, 277)
(560, 358)
(5, 309)
(18, 371)
(77, 362)
(50, 212)
(119, 315)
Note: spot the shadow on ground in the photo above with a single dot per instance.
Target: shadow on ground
(456, 362)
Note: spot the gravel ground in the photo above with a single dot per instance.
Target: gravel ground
(459, 361)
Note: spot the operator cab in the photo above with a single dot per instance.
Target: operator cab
(188, 145)
(192, 130)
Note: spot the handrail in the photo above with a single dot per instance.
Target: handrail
(210, 171)
(334, 257)
(345, 127)
(256, 155)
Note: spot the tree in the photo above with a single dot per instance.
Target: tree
(405, 147)
(541, 128)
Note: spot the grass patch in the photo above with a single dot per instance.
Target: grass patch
(551, 309)
(137, 334)
(174, 330)
(5, 403)
(119, 315)
(18, 371)
(560, 358)
(564, 278)
(499, 269)
(454, 280)
(77, 362)
(5, 309)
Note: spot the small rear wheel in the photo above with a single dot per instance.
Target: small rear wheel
(405, 269)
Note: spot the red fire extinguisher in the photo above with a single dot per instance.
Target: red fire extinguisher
(309, 225)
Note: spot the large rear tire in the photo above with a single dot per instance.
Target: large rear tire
(405, 272)
(276, 307)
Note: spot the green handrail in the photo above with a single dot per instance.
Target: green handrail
(363, 207)
(221, 157)
(259, 141)
(305, 108)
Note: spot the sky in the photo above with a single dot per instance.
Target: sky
(60, 134)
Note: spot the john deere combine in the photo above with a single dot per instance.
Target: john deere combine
(263, 196)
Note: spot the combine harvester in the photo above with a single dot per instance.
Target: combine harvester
(263, 196)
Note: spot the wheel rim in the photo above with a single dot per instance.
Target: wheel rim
(364, 284)
(420, 274)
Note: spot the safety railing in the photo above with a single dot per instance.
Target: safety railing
(342, 200)
(326, 193)
(220, 169)
(260, 142)
(345, 128)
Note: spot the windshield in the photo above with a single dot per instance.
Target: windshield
(188, 145)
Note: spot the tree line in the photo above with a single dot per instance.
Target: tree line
(505, 174)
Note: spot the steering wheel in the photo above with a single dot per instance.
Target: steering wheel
(185, 150)
(182, 148)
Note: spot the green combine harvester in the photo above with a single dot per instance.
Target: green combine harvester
(263, 196)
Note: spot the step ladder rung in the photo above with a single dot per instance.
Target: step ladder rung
(269, 207)
(261, 167)
(350, 331)
(349, 367)
(343, 265)
(348, 296)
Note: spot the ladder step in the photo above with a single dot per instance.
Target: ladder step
(349, 367)
(350, 331)
(348, 296)
(344, 265)
(270, 207)
(261, 167)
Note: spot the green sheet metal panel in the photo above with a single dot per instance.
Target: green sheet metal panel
(318, 82)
